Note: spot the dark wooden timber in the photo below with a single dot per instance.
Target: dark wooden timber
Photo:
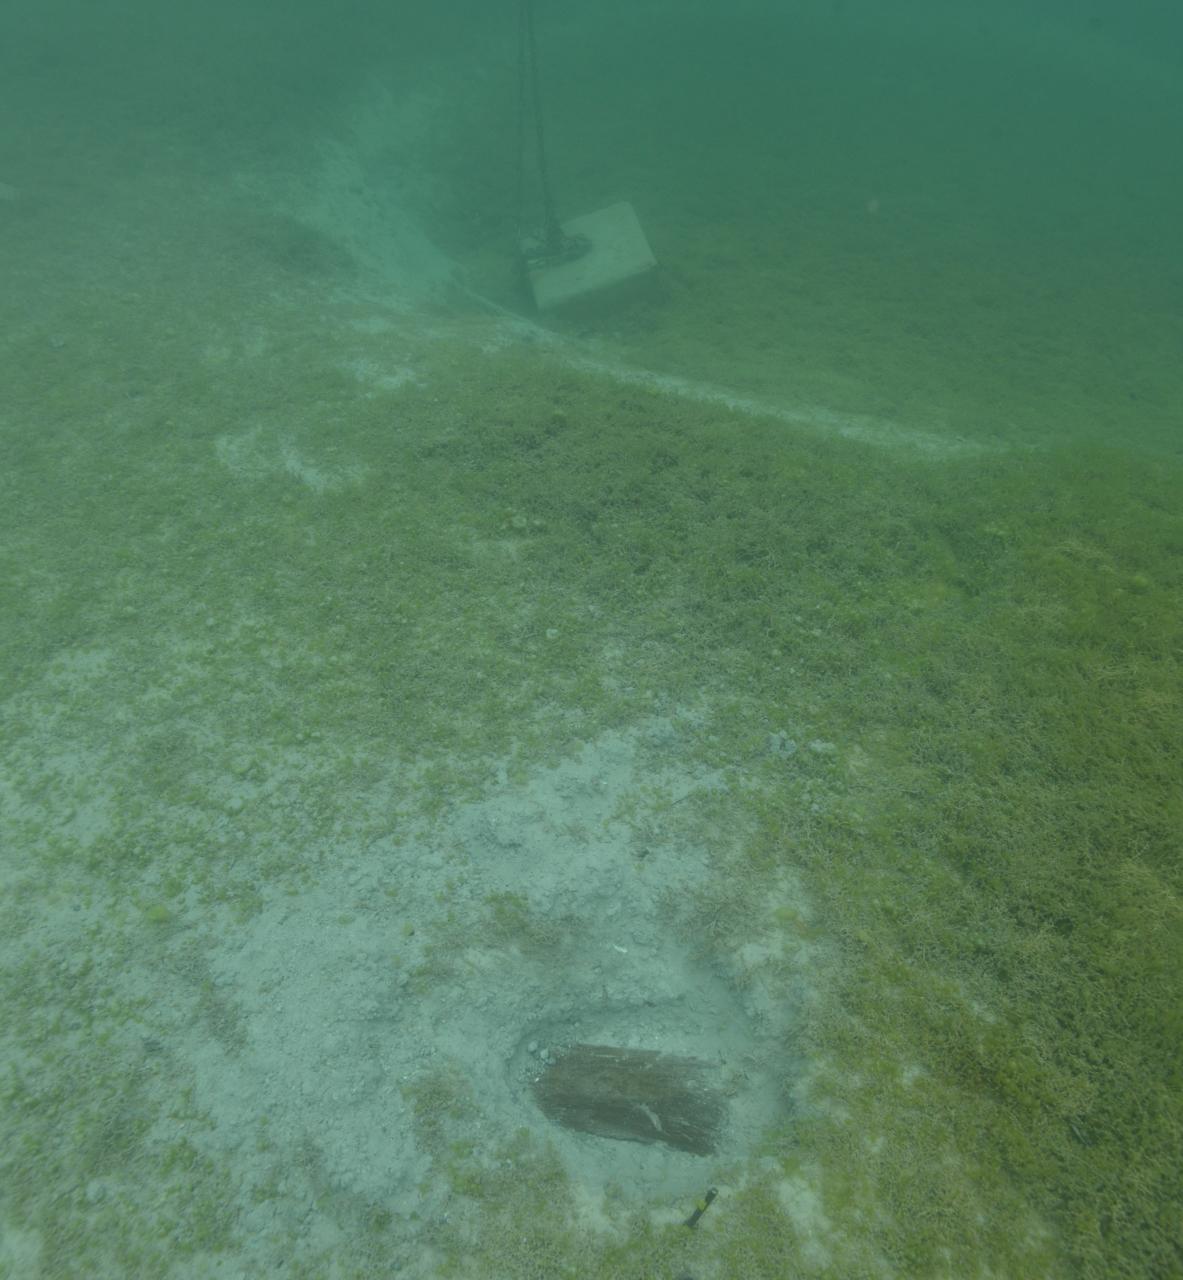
(638, 1095)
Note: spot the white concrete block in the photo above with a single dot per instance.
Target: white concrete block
(619, 258)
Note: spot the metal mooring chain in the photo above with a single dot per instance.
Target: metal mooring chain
(551, 246)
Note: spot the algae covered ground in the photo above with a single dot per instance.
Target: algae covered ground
(222, 677)
(391, 689)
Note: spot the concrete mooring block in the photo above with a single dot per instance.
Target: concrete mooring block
(617, 263)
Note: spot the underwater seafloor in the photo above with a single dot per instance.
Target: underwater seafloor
(785, 673)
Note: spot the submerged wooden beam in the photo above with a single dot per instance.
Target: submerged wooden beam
(637, 1095)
